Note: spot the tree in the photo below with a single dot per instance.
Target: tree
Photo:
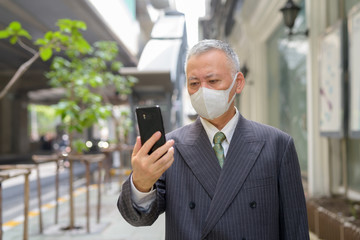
(85, 78)
(85, 74)
(68, 37)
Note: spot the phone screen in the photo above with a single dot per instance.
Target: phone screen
(150, 121)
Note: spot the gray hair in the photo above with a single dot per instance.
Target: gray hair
(212, 44)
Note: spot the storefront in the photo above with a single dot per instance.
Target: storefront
(286, 57)
(284, 82)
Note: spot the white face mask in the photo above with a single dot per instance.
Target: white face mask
(211, 103)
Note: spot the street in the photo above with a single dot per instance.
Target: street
(13, 189)
(110, 225)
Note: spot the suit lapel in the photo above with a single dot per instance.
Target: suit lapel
(242, 154)
(199, 156)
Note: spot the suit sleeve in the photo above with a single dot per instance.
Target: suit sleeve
(134, 214)
(293, 214)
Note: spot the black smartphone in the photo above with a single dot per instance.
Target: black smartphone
(150, 121)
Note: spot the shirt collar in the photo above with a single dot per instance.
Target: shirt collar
(228, 129)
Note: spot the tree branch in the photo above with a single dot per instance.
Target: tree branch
(21, 70)
(26, 47)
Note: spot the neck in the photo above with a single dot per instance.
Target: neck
(221, 121)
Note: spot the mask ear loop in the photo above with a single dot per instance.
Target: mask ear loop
(229, 89)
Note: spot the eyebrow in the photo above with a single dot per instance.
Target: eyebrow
(192, 78)
(210, 75)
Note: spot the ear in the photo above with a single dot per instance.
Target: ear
(240, 82)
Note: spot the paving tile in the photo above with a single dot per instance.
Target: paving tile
(111, 227)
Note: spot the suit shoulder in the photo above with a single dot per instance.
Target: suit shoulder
(180, 133)
(266, 131)
(274, 138)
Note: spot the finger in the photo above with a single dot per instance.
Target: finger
(168, 156)
(165, 161)
(137, 146)
(150, 142)
(162, 150)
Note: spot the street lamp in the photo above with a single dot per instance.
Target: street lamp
(290, 12)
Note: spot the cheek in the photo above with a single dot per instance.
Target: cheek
(233, 91)
(190, 91)
(231, 94)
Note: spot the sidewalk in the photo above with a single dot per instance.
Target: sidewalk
(112, 226)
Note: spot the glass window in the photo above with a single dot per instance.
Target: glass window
(132, 7)
(353, 146)
(353, 164)
(350, 3)
(287, 85)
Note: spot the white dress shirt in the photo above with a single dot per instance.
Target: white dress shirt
(144, 200)
(228, 130)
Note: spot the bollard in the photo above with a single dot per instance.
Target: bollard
(11, 171)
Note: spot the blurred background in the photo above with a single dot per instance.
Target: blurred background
(74, 85)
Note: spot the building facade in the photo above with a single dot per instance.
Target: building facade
(284, 82)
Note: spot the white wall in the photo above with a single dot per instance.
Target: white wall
(249, 40)
(318, 164)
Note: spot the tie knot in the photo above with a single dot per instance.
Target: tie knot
(219, 138)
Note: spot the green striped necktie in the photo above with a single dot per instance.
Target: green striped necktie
(219, 150)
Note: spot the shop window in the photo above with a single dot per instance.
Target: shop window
(353, 145)
(353, 164)
(287, 85)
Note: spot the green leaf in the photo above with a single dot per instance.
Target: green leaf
(13, 39)
(79, 146)
(70, 128)
(64, 25)
(78, 128)
(132, 80)
(49, 35)
(64, 39)
(45, 53)
(4, 34)
(104, 112)
(98, 79)
(97, 98)
(80, 24)
(16, 26)
(41, 41)
(82, 45)
(79, 81)
(24, 33)
(115, 66)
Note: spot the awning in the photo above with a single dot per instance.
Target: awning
(157, 67)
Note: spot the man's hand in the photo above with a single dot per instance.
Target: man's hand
(147, 169)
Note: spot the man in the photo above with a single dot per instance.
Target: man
(246, 184)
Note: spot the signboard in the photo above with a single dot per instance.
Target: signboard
(354, 71)
(332, 82)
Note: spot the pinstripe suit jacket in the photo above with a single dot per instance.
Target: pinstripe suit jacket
(257, 195)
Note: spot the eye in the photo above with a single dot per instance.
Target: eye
(214, 81)
(194, 84)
